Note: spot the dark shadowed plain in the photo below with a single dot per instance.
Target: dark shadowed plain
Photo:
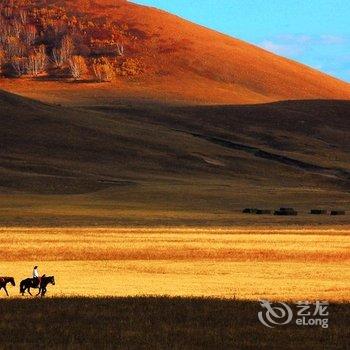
(158, 323)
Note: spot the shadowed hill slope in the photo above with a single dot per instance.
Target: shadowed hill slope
(59, 150)
(141, 163)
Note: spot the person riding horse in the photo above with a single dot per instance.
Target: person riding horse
(36, 276)
(38, 282)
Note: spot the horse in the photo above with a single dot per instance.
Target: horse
(4, 281)
(28, 283)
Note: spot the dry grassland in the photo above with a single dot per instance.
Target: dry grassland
(228, 263)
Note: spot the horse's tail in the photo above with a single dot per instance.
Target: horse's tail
(22, 287)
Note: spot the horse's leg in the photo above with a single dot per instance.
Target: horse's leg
(29, 291)
(43, 292)
(6, 291)
(38, 292)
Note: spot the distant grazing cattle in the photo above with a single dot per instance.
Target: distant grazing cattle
(338, 212)
(318, 212)
(257, 211)
(250, 211)
(263, 212)
(286, 212)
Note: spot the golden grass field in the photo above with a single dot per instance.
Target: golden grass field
(278, 264)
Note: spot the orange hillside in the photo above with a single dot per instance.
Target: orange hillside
(168, 58)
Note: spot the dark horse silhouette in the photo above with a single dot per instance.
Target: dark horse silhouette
(4, 281)
(28, 283)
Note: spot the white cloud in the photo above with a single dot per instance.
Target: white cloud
(281, 49)
(294, 38)
(332, 39)
(294, 45)
(328, 52)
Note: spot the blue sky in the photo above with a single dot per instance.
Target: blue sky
(315, 32)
